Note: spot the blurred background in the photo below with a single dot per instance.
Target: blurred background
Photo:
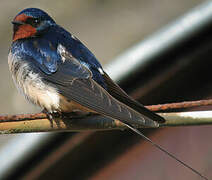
(108, 28)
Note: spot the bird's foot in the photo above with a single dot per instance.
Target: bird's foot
(52, 116)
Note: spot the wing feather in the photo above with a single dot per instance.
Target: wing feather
(122, 96)
(91, 95)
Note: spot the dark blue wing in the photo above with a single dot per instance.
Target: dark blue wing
(82, 89)
(78, 50)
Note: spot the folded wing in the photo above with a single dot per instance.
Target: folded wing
(74, 81)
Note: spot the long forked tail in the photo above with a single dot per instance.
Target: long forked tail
(166, 152)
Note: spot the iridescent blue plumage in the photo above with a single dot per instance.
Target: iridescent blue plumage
(37, 13)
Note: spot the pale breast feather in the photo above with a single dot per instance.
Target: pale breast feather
(30, 84)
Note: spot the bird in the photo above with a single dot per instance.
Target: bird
(56, 71)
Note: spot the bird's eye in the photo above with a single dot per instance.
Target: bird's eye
(33, 22)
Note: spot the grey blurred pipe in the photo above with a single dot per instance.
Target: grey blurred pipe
(137, 57)
(19, 149)
(140, 55)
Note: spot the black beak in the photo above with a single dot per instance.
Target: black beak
(17, 23)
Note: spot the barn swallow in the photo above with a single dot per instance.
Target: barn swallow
(55, 71)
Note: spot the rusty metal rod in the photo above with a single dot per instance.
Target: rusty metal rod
(98, 122)
(155, 108)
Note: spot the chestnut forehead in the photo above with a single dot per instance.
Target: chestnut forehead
(21, 17)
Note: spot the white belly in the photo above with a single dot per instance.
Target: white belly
(31, 85)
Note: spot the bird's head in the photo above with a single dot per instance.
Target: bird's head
(31, 22)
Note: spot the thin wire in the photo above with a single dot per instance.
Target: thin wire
(166, 152)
